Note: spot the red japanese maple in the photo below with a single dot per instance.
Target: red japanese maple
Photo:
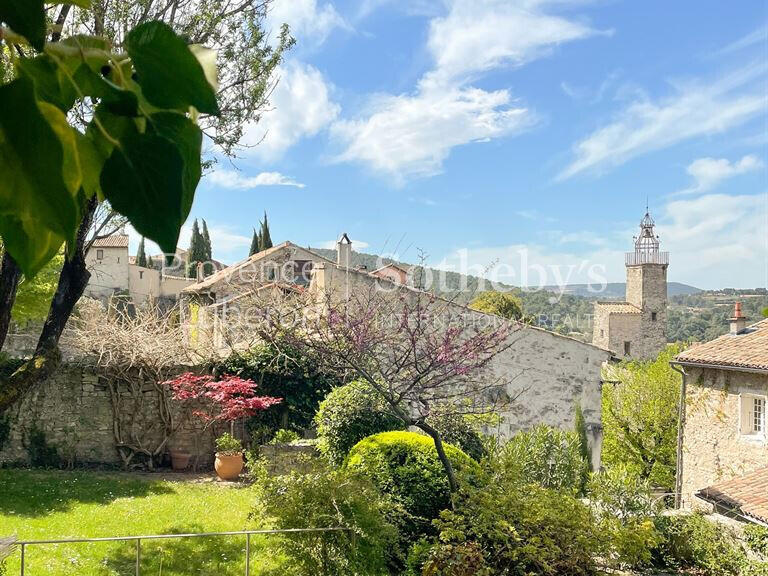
(227, 398)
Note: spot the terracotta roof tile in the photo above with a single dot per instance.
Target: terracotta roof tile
(746, 350)
(113, 241)
(748, 494)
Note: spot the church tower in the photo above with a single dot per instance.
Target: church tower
(637, 327)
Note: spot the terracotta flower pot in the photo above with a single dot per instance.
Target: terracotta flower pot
(228, 466)
(180, 459)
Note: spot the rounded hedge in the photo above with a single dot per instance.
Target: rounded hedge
(405, 465)
(348, 414)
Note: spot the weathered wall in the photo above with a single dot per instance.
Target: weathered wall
(108, 274)
(647, 289)
(76, 412)
(714, 449)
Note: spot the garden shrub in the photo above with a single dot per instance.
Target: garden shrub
(284, 436)
(547, 456)
(625, 509)
(757, 539)
(693, 541)
(454, 428)
(282, 373)
(520, 529)
(326, 499)
(347, 415)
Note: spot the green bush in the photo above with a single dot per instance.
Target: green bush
(326, 499)
(455, 429)
(284, 436)
(347, 415)
(693, 541)
(405, 465)
(546, 456)
(520, 529)
(757, 539)
(625, 510)
(283, 373)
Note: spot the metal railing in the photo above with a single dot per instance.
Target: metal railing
(22, 545)
(637, 258)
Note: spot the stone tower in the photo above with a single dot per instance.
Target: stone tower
(637, 327)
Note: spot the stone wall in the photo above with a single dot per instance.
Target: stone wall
(647, 289)
(286, 458)
(714, 449)
(75, 410)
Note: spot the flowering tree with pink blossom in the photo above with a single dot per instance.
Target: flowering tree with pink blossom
(418, 352)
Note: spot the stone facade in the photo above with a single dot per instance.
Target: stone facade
(714, 445)
(637, 327)
(75, 411)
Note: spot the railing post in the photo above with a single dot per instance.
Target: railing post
(138, 557)
(23, 550)
(248, 554)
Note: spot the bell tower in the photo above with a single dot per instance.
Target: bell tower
(647, 288)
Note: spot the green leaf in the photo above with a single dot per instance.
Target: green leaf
(25, 17)
(91, 163)
(79, 3)
(189, 140)
(169, 74)
(30, 244)
(143, 180)
(37, 202)
(51, 84)
(121, 102)
(118, 127)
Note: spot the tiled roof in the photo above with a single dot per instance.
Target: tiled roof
(747, 494)
(746, 350)
(113, 241)
(620, 307)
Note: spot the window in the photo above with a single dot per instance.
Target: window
(99, 254)
(141, 274)
(653, 316)
(626, 348)
(602, 332)
(753, 410)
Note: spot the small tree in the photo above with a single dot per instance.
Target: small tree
(196, 253)
(416, 351)
(141, 255)
(504, 304)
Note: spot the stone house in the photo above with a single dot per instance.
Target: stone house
(637, 327)
(113, 271)
(547, 373)
(723, 438)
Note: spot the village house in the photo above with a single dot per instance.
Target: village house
(723, 440)
(548, 374)
(114, 271)
(637, 327)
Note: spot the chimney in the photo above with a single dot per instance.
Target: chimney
(344, 251)
(738, 320)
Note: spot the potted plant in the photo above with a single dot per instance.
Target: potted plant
(229, 457)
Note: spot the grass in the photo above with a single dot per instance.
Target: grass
(40, 505)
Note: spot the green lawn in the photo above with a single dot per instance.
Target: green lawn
(38, 505)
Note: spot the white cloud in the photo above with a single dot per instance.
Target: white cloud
(759, 36)
(534, 215)
(411, 135)
(717, 240)
(227, 244)
(707, 173)
(239, 181)
(480, 35)
(697, 109)
(301, 107)
(307, 20)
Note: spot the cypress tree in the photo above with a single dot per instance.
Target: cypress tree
(266, 238)
(207, 242)
(255, 243)
(141, 255)
(196, 250)
(150, 262)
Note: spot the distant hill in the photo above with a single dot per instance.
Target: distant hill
(617, 290)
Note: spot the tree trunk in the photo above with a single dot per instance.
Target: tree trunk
(72, 282)
(10, 274)
(447, 466)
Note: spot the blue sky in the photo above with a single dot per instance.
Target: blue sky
(504, 135)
